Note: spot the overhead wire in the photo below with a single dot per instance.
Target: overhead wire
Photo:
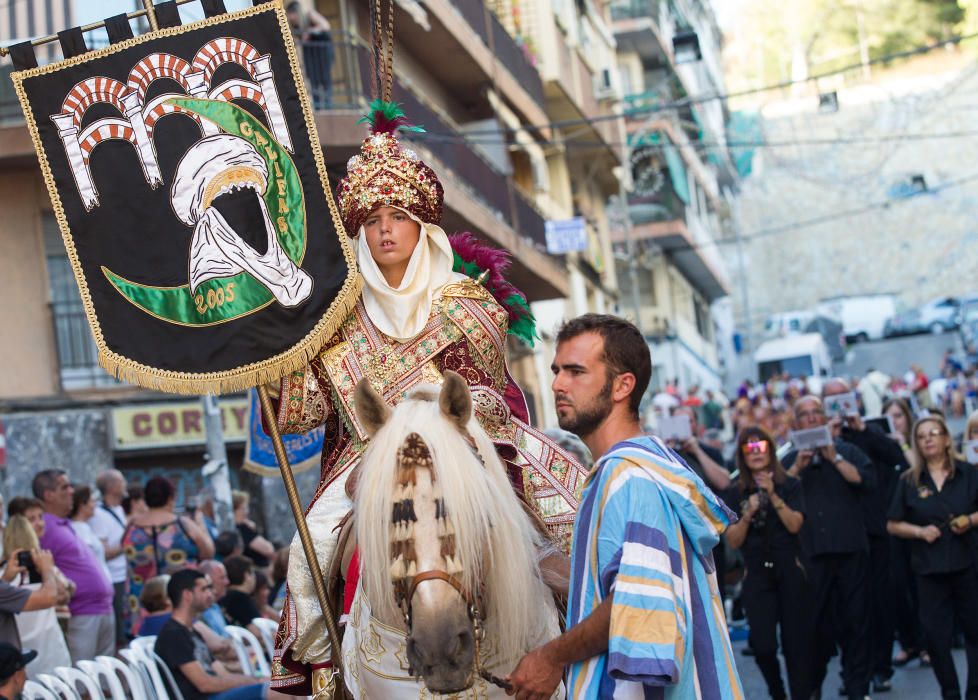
(711, 97)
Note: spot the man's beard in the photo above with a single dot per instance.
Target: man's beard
(587, 418)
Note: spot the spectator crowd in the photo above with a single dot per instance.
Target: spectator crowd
(88, 568)
(862, 547)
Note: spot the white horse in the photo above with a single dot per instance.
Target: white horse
(450, 585)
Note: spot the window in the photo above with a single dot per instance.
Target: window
(77, 355)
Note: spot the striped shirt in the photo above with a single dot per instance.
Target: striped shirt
(643, 536)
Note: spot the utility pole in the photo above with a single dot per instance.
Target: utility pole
(215, 470)
(744, 293)
(626, 221)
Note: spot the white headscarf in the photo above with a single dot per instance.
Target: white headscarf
(401, 312)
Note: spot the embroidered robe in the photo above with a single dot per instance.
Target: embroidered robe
(466, 333)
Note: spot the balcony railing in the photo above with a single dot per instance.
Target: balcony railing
(516, 61)
(634, 9)
(505, 48)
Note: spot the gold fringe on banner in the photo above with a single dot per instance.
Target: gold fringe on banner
(239, 378)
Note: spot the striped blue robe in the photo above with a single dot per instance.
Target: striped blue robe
(643, 536)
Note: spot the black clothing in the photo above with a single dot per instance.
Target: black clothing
(924, 505)
(767, 538)
(239, 608)
(833, 522)
(835, 541)
(945, 599)
(882, 602)
(774, 597)
(840, 606)
(178, 645)
(906, 618)
(776, 592)
(249, 533)
(889, 462)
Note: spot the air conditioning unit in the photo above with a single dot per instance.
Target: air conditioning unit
(606, 84)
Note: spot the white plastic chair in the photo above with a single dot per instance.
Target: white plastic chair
(58, 686)
(244, 642)
(268, 629)
(73, 677)
(100, 672)
(35, 691)
(163, 682)
(137, 691)
(144, 644)
(137, 661)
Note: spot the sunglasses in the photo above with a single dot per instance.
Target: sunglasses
(933, 432)
(754, 447)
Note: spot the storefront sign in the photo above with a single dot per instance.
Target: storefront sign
(174, 424)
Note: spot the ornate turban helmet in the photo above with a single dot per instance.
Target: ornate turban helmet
(386, 174)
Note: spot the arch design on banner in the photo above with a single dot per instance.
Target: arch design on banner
(138, 118)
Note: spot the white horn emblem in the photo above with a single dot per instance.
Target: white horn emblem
(214, 166)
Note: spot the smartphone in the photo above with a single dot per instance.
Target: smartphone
(25, 560)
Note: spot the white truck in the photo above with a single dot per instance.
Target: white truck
(804, 355)
(863, 317)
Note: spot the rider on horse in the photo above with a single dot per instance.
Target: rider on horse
(430, 303)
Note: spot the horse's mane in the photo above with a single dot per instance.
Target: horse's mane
(495, 541)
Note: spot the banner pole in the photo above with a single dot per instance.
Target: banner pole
(271, 422)
(151, 14)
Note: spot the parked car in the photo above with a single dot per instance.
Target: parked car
(940, 315)
(904, 323)
(936, 316)
(863, 317)
(968, 321)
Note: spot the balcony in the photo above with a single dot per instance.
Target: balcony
(467, 49)
(570, 90)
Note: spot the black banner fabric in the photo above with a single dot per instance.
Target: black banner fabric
(186, 174)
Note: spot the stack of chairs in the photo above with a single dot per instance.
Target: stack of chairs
(140, 673)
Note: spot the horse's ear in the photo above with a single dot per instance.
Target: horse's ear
(455, 399)
(370, 408)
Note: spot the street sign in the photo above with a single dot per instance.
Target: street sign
(567, 236)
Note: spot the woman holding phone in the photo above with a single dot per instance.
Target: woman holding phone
(775, 588)
(935, 507)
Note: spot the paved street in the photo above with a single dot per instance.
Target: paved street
(893, 356)
(913, 682)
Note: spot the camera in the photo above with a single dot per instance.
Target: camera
(25, 560)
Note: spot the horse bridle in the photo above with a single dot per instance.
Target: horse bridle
(474, 607)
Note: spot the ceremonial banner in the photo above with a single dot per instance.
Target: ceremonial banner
(188, 180)
(303, 450)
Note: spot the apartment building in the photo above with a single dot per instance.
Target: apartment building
(681, 179)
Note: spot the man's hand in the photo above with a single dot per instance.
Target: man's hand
(44, 561)
(828, 452)
(765, 481)
(856, 423)
(930, 534)
(13, 569)
(536, 677)
(691, 444)
(803, 460)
